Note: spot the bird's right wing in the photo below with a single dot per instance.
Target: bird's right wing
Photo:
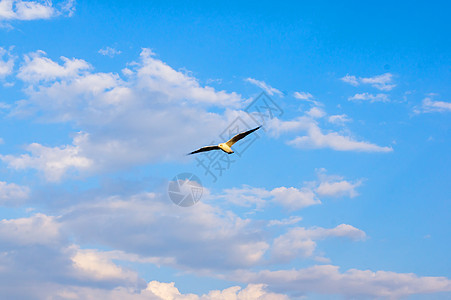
(204, 149)
(239, 136)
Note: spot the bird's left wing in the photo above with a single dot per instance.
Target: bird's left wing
(239, 136)
(203, 149)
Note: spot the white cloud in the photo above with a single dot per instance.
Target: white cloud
(96, 265)
(108, 51)
(289, 197)
(33, 10)
(11, 193)
(276, 127)
(316, 112)
(157, 290)
(54, 162)
(306, 97)
(38, 229)
(351, 79)
(294, 198)
(327, 279)
(36, 262)
(316, 139)
(206, 230)
(6, 64)
(303, 95)
(338, 188)
(36, 67)
(335, 186)
(382, 82)
(300, 241)
(339, 119)
(156, 76)
(369, 97)
(429, 105)
(116, 115)
(264, 86)
(289, 221)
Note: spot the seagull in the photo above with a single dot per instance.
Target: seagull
(225, 146)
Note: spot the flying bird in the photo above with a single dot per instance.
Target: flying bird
(225, 146)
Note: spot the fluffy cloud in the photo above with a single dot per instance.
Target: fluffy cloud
(156, 290)
(123, 223)
(54, 162)
(316, 139)
(382, 82)
(291, 197)
(294, 198)
(327, 279)
(338, 188)
(264, 86)
(36, 67)
(35, 253)
(428, 106)
(33, 10)
(96, 265)
(369, 97)
(116, 115)
(300, 241)
(11, 193)
(38, 229)
(156, 76)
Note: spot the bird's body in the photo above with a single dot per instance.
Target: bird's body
(226, 147)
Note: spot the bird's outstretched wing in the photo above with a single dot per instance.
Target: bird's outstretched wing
(203, 149)
(239, 136)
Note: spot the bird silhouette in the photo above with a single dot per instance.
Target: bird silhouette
(226, 147)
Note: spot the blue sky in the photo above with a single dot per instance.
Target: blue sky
(344, 192)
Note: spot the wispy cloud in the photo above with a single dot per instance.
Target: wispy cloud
(264, 86)
(429, 105)
(370, 97)
(339, 119)
(109, 51)
(382, 82)
(289, 221)
(306, 97)
(327, 279)
(351, 79)
(6, 62)
(293, 198)
(316, 139)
